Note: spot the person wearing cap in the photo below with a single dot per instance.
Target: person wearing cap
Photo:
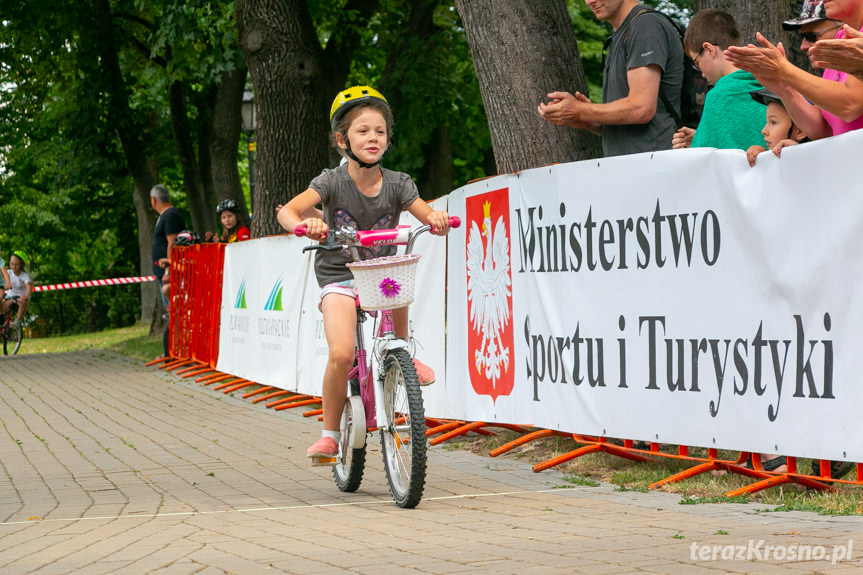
(779, 130)
(731, 119)
(845, 54)
(812, 25)
(363, 195)
(20, 285)
(821, 107)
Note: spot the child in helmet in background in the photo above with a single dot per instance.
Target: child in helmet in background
(233, 229)
(779, 130)
(365, 196)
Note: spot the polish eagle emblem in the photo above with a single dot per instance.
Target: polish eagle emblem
(488, 292)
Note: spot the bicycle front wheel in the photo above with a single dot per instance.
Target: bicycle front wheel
(404, 443)
(12, 337)
(348, 470)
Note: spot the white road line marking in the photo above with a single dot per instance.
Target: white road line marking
(257, 509)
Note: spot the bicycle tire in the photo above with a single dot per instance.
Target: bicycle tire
(404, 447)
(12, 337)
(348, 470)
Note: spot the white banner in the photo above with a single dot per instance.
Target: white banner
(262, 293)
(272, 331)
(679, 297)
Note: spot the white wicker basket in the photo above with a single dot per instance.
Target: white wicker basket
(387, 282)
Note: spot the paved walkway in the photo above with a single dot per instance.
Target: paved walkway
(107, 466)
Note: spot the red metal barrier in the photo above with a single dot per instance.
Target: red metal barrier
(196, 301)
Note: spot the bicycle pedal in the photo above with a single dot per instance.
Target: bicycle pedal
(324, 461)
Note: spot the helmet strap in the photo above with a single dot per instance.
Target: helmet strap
(363, 164)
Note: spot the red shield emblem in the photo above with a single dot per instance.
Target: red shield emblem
(489, 294)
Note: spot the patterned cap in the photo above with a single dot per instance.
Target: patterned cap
(812, 11)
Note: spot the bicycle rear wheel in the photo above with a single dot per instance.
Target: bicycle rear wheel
(404, 444)
(348, 470)
(12, 337)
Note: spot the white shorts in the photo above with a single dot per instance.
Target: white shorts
(347, 288)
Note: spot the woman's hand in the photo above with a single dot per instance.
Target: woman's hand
(845, 54)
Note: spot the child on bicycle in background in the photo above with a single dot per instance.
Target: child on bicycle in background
(362, 195)
(20, 286)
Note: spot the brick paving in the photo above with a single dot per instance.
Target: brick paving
(107, 466)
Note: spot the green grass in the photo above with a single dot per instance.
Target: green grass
(132, 342)
(704, 488)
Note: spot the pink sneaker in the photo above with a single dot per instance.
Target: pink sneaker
(324, 448)
(425, 374)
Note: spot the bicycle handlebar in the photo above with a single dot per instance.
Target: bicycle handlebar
(348, 238)
(300, 229)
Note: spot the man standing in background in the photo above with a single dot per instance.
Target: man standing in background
(642, 79)
(169, 224)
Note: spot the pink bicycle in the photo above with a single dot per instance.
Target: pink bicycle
(392, 403)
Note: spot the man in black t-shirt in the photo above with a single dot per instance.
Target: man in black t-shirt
(169, 224)
(642, 71)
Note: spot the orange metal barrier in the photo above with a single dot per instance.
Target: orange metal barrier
(196, 293)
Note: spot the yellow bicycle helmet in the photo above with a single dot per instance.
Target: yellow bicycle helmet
(346, 99)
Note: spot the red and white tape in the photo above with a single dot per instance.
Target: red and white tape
(96, 283)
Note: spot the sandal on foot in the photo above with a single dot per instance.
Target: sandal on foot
(324, 448)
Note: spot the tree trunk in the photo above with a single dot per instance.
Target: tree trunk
(763, 16)
(120, 115)
(435, 179)
(282, 53)
(205, 126)
(203, 215)
(522, 50)
(437, 173)
(226, 135)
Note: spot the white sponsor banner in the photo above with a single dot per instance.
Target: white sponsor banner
(279, 340)
(679, 297)
(262, 293)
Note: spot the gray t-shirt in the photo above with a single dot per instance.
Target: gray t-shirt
(345, 205)
(648, 39)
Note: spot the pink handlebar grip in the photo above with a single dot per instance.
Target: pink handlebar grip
(299, 230)
(454, 221)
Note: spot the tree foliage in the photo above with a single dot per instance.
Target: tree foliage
(73, 186)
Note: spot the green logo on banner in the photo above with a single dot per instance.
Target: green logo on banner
(241, 296)
(274, 302)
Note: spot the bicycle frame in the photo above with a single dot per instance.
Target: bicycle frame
(391, 402)
(370, 391)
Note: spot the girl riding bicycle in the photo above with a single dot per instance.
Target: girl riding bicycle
(362, 195)
(20, 286)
